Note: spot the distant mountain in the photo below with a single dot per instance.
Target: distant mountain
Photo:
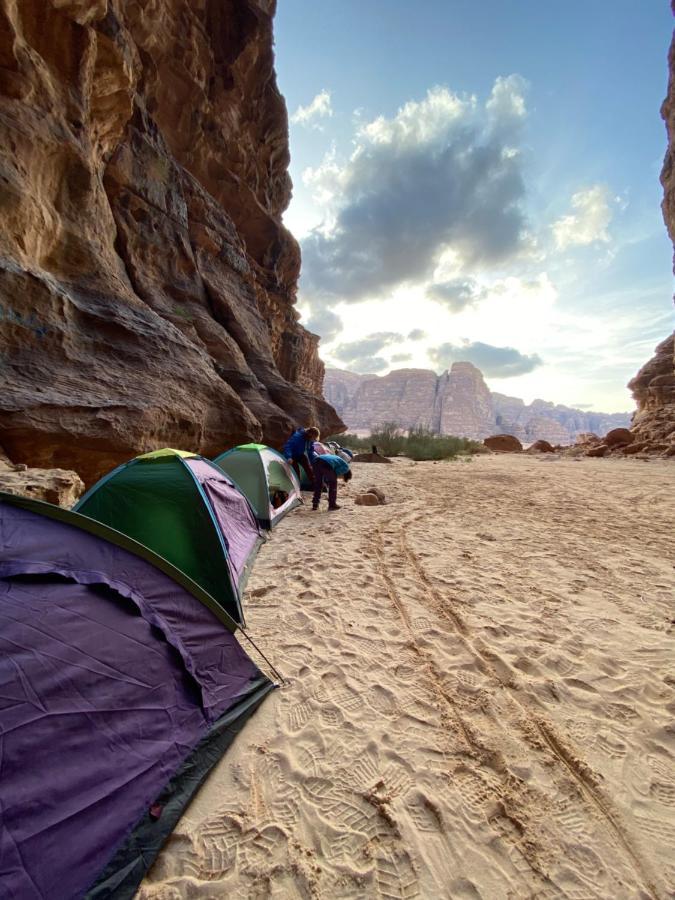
(457, 402)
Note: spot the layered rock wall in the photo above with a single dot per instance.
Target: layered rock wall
(457, 402)
(146, 281)
(654, 385)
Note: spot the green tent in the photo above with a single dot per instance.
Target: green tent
(265, 477)
(187, 510)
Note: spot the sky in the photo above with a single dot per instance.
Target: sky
(480, 181)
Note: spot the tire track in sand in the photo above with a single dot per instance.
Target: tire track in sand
(501, 672)
(475, 747)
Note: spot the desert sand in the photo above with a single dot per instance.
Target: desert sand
(479, 699)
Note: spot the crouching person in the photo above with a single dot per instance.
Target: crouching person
(327, 469)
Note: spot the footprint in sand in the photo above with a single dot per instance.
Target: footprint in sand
(382, 700)
(299, 715)
(396, 878)
(425, 814)
(331, 716)
(611, 745)
(263, 850)
(216, 844)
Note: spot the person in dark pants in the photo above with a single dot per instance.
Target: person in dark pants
(327, 468)
(299, 450)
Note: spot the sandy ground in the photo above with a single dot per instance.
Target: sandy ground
(480, 696)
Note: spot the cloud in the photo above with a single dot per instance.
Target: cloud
(495, 362)
(361, 356)
(443, 173)
(368, 365)
(325, 323)
(589, 222)
(401, 357)
(356, 352)
(319, 108)
(417, 334)
(457, 294)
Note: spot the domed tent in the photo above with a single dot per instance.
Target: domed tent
(188, 511)
(265, 477)
(122, 685)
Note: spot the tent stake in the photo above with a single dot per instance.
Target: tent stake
(253, 644)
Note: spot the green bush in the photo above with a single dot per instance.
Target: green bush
(418, 443)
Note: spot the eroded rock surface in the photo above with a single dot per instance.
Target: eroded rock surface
(146, 281)
(457, 402)
(654, 385)
(57, 486)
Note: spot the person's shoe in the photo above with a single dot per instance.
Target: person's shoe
(333, 508)
(314, 507)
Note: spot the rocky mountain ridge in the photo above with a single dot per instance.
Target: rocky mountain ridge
(457, 402)
(147, 285)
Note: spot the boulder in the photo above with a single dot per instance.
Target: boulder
(503, 443)
(378, 493)
(588, 437)
(600, 450)
(635, 447)
(618, 436)
(541, 447)
(58, 486)
(366, 500)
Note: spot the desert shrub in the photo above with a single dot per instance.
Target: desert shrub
(418, 443)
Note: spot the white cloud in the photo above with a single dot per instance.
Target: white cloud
(319, 108)
(441, 175)
(589, 221)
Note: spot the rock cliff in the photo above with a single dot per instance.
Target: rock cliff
(146, 281)
(457, 402)
(654, 385)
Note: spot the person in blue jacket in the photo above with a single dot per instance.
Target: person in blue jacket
(327, 468)
(299, 449)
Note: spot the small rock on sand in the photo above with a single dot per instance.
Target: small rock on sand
(366, 500)
(378, 493)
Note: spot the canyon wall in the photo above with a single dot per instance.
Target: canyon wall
(654, 385)
(147, 284)
(457, 402)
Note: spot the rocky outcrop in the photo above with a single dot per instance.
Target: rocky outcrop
(550, 421)
(654, 390)
(654, 385)
(146, 281)
(56, 486)
(464, 402)
(457, 402)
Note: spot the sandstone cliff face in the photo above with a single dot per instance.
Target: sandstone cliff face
(465, 402)
(654, 385)
(457, 402)
(146, 282)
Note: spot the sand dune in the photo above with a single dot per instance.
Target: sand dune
(480, 696)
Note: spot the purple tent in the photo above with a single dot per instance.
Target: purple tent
(119, 690)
